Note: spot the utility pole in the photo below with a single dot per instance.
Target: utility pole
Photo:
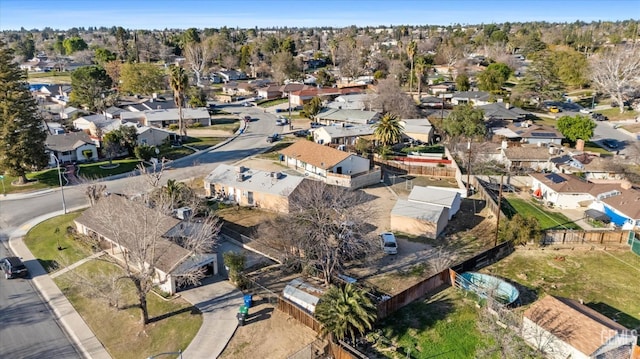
(468, 168)
(495, 243)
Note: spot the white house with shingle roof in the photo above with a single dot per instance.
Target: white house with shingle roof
(334, 115)
(564, 328)
(144, 225)
(319, 161)
(252, 188)
(343, 134)
(71, 147)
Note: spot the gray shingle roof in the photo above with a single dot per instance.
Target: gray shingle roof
(353, 116)
(67, 141)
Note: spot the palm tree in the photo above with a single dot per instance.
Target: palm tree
(345, 311)
(411, 51)
(179, 81)
(420, 66)
(388, 130)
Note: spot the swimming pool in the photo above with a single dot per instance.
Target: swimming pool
(484, 285)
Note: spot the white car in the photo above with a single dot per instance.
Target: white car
(389, 243)
(585, 110)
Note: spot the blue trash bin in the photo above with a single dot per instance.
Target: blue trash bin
(247, 300)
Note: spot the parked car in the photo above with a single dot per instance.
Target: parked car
(610, 143)
(315, 124)
(554, 109)
(388, 243)
(13, 267)
(246, 104)
(585, 110)
(599, 117)
(273, 138)
(247, 118)
(301, 133)
(281, 121)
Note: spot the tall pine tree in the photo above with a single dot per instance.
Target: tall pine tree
(22, 135)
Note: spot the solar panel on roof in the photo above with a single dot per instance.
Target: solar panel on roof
(543, 134)
(555, 178)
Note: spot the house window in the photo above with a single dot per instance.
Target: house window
(144, 141)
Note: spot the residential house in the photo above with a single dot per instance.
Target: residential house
(171, 261)
(114, 112)
(147, 104)
(356, 101)
(164, 118)
(561, 190)
(330, 165)
(332, 115)
(71, 147)
(521, 158)
(441, 87)
(564, 328)
(88, 121)
(503, 112)
(269, 92)
(588, 165)
(526, 132)
(150, 136)
(418, 218)
(54, 93)
(232, 75)
(621, 203)
(238, 88)
(303, 96)
(69, 112)
(342, 134)
(418, 129)
(449, 198)
(253, 188)
(476, 98)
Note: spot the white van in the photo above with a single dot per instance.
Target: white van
(388, 243)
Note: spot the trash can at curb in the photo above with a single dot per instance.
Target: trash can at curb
(241, 318)
(247, 301)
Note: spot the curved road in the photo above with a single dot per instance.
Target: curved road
(28, 328)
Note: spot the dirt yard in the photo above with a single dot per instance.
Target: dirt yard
(268, 333)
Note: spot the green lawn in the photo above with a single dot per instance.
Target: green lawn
(615, 115)
(547, 219)
(443, 326)
(43, 241)
(594, 147)
(230, 125)
(119, 329)
(55, 77)
(38, 180)
(269, 103)
(202, 143)
(606, 281)
(274, 152)
(93, 170)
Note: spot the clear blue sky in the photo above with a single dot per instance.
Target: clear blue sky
(160, 14)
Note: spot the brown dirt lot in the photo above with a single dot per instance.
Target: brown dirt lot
(268, 333)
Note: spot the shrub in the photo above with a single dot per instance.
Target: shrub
(196, 124)
(173, 127)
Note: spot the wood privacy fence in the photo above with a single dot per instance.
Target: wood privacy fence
(298, 314)
(415, 169)
(409, 295)
(489, 197)
(556, 237)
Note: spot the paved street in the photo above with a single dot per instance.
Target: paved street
(28, 329)
(33, 332)
(605, 130)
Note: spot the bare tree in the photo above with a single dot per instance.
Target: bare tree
(102, 283)
(94, 192)
(325, 228)
(616, 72)
(148, 244)
(392, 99)
(547, 328)
(197, 55)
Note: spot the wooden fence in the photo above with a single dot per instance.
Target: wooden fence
(490, 198)
(415, 169)
(298, 314)
(409, 295)
(556, 237)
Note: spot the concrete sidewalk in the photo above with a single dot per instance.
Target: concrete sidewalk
(66, 315)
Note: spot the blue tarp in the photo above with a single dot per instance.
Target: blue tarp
(616, 218)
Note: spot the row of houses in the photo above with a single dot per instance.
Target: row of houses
(617, 202)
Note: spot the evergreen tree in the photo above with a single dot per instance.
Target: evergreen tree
(88, 85)
(22, 136)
